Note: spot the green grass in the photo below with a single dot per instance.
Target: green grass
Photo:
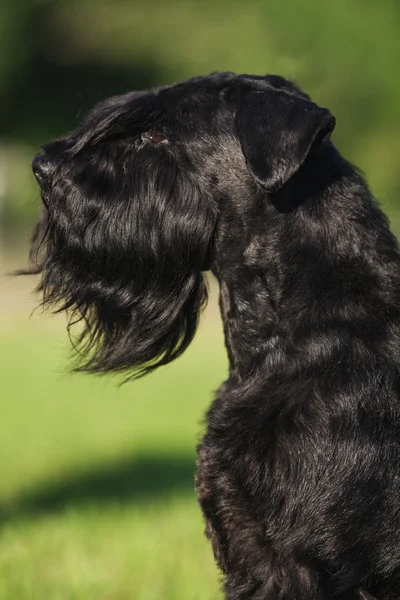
(96, 490)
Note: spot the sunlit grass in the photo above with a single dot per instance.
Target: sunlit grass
(97, 481)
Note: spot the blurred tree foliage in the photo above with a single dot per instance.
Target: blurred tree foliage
(58, 58)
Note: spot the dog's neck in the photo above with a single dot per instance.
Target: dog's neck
(321, 236)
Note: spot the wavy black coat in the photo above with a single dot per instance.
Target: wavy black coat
(299, 469)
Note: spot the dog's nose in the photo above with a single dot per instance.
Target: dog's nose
(41, 167)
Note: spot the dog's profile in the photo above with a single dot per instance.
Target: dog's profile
(299, 470)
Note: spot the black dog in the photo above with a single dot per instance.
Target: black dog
(299, 470)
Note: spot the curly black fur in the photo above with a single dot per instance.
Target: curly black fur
(299, 470)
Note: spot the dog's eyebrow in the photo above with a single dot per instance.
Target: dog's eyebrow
(115, 117)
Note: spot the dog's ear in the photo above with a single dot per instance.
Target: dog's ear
(277, 131)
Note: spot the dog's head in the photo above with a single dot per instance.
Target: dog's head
(133, 198)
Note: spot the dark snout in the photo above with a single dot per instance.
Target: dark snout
(41, 167)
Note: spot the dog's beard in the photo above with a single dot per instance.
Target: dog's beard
(127, 265)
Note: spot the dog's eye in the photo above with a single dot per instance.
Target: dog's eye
(154, 135)
(157, 136)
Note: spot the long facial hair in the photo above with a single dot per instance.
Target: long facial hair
(122, 248)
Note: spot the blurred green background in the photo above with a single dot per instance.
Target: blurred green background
(96, 486)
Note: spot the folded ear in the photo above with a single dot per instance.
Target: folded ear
(277, 132)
